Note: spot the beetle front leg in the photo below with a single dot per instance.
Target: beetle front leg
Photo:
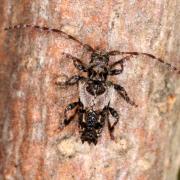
(113, 71)
(71, 81)
(77, 63)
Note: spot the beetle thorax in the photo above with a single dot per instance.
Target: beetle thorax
(95, 102)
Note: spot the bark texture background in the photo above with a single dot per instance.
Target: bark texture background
(31, 106)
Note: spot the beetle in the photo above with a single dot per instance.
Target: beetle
(95, 90)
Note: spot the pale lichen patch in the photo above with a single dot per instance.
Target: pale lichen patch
(67, 147)
(146, 162)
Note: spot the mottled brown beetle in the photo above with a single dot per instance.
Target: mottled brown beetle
(93, 106)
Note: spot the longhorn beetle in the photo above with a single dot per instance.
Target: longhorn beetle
(93, 106)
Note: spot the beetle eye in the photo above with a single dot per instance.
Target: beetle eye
(94, 55)
(105, 58)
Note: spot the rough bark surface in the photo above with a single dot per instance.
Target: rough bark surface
(31, 106)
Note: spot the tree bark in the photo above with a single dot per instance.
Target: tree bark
(146, 145)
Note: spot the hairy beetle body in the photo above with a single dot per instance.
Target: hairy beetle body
(95, 91)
